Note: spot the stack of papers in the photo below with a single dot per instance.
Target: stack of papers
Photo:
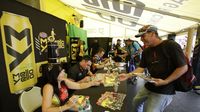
(111, 100)
(108, 80)
(79, 99)
(145, 77)
(120, 64)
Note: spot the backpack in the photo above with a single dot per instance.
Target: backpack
(138, 44)
(196, 65)
(185, 82)
(137, 58)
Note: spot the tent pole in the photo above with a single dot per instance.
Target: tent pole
(190, 40)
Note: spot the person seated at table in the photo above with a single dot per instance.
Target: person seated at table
(80, 52)
(55, 96)
(80, 72)
(98, 62)
(118, 51)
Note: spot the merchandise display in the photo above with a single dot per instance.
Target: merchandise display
(108, 80)
(99, 76)
(111, 100)
(83, 102)
(144, 76)
(120, 64)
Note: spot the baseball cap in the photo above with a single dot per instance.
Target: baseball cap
(145, 29)
(118, 40)
(128, 39)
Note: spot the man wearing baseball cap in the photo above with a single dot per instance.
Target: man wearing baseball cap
(165, 62)
(146, 29)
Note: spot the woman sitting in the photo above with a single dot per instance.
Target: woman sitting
(55, 92)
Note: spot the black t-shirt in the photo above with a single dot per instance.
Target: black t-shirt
(77, 73)
(118, 48)
(161, 61)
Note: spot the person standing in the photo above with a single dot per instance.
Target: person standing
(118, 52)
(158, 92)
(133, 50)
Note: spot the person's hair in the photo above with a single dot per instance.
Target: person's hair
(50, 76)
(101, 50)
(86, 58)
(118, 40)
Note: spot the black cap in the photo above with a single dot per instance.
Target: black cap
(118, 40)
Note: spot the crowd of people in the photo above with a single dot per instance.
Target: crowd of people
(156, 94)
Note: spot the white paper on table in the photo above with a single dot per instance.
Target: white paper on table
(143, 76)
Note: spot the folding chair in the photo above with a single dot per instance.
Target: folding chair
(30, 100)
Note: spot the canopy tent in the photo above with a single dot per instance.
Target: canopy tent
(168, 15)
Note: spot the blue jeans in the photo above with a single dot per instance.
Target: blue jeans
(147, 101)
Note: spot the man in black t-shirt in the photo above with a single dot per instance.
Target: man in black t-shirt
(158, 91)
(118, 51)
(80, 72)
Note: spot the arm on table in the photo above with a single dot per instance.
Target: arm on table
(47, 101)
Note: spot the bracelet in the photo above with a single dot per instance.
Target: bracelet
(60, 109)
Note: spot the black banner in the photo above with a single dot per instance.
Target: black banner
(24, 34)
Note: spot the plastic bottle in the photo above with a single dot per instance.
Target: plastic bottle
(116, 87)
(88, 106)
(81, 109)
(131, 66)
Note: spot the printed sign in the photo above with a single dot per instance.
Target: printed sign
(18, 48)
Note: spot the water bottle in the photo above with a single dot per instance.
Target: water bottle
(88, 107)
(131, 67)
(81, 109)
(127, 67)
(115, 87)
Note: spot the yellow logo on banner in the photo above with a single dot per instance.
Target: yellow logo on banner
(18, 48)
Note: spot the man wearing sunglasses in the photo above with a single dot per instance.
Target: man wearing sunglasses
(159, 89)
